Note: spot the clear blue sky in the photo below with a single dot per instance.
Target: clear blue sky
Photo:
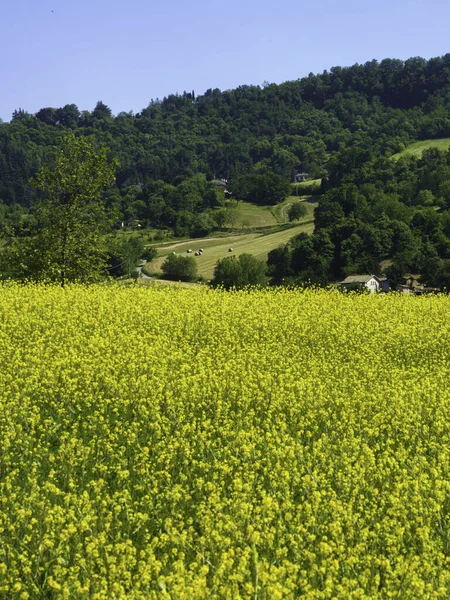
(126, 53)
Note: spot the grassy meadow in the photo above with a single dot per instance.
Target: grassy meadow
(310, 183)
(280, 210)
(417, 148)
(215, 248)
(191, 443)
(254, 215)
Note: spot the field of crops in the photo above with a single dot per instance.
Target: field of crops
(190, 444)
(257, 244)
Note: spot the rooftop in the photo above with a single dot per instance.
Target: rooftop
(359, 278)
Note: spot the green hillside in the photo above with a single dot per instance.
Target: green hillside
(417, 148)
(216, 248)
(309, 184)
(298, 125)
(181, 159)
(280, 210)
(253, 215)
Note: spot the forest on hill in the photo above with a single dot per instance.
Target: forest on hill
(342, 126)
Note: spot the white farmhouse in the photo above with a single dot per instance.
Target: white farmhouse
(371, 282)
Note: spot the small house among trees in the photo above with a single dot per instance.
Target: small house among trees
(412, 285)
(299, 177)
(220, 182)
(355, 282)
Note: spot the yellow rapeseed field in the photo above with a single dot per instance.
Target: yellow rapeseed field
(190, 444)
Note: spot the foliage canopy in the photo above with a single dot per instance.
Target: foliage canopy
(232, 272)
(66, 236)
(179, 268)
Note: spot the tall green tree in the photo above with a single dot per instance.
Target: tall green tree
(124, 255)
(240, 272)
(179, 268)
(67, 243)
(297, 211)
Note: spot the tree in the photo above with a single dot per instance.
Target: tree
(297, 211)
(260, 188)
(424, 198)
(68, 115)
(179, 268)
(101, 111)
(47, 115)
(203, 224)
(239, 272)
(124, 256)
(149, 254)
(396, 273)
(67, 242)
(279, 264)
(327, 214)
(430, 265)
(232, 213)
(443, 279)
(220, 217)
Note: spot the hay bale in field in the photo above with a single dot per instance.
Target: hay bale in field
(189, 251)
(230, 249)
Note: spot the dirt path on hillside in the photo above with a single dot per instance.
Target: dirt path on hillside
(195, 241)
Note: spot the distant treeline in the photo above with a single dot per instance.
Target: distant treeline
(341, 125)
